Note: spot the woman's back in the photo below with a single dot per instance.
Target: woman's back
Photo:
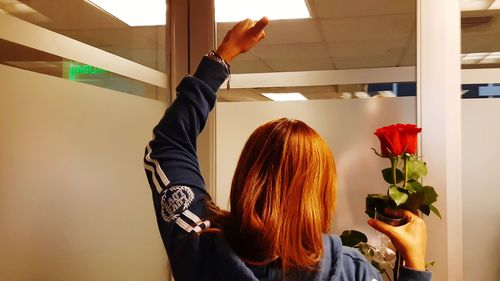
(205, 245)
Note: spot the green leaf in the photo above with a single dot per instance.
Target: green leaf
(416, 169)
(425, 209)
(415, 186)
(389, 176)
(435, 211)
(351, 238)
(414, 201)
(430, 195)
(397, 195)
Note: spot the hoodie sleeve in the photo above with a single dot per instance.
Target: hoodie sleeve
(408, 274)
(171, 161)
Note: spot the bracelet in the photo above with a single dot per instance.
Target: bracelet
(214, 56)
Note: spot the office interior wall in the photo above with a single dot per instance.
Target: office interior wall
(346, 125)
(74, 200)
(481, 191)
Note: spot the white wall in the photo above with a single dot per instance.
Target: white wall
(74, 200)
(346, 125)
(481, 189)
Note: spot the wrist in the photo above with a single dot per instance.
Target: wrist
(226, 54)
(416, 263)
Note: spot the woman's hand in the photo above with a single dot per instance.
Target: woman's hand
(410, 239)
(242, 38)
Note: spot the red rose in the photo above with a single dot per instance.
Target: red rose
(398, 139)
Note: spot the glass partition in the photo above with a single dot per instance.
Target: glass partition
(89, 41)
(480, 34)
(481, 47)
(346, 91)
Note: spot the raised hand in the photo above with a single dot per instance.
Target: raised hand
(244, 36)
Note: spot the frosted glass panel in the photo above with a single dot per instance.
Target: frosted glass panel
(481, 189)
(74, 200)
(346, 125)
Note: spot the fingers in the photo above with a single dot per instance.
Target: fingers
(260, 25)
(381, 227)
(241, 38)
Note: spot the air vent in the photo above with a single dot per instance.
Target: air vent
(475, 21)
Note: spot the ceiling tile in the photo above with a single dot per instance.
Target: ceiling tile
(408, 60)
(492, 27)
(368, 28)
(349, 8)
(390, 60)
(480, 43)
(282, 31)
(365, 47)
(292, 52)
(300, 64)
(292, 31)
(249, 66)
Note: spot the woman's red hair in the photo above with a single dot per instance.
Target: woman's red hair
(282, 196)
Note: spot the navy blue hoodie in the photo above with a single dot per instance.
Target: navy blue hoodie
(179, 197)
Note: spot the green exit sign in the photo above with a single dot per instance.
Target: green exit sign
(75, 71)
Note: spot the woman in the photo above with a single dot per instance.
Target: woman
(282, 194)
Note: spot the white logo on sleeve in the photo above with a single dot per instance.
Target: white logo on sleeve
(174, 201)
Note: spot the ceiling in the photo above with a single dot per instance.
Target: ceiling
(342, 34)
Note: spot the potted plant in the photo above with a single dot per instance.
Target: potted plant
(398, 144)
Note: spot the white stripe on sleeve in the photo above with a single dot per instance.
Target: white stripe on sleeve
(159, 171)
(184, 225)
(155, 181)
(192, 216)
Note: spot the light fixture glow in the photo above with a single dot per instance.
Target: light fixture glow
(135, 13)
(284, 96)
(479, 5)
(491, 58)
(473, 58)
(495, 5)
(236, 10)
(481, 58)
(474, 5)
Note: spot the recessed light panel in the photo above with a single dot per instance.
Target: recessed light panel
(284, 96)
(479, 5)
(133, 12)
(491, 58)
(236, 10)
(473, 58)
(481, 58)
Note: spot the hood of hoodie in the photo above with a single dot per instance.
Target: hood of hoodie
(228, 266)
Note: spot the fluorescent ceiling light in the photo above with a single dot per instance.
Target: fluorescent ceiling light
(481, 58)
(474, 5)
(284, 96)
(491, 58)
(479, 5)
(495, 5)
(236, 10)
(133, 12)
(362, 95)
(473, 58)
